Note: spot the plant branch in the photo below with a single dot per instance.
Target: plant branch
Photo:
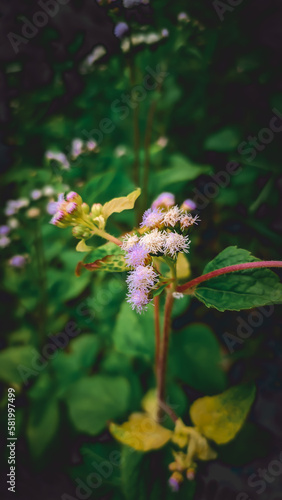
(162, 361)
(157, 330)
(226, 270)
(107, 236)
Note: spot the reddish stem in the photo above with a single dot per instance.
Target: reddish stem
(162, 361)
(229, 269)
(157, 330)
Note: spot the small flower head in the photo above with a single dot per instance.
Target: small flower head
(139, 300)
(153, 241)
(143, 277)
(188, 220)
(137, 256)
(36, 194)
(121, 29)
(96, 209)
(129, 241)
(4, 230)
(76, 148)
(48, 191)
(13, 223)
(178, 295)
(71, 208)
(172, 217)
(165, 200)
(165, 33)
(58, 218)
(175, 481)
(17, 261)
(32, 213)
(153, 217)
(73, 196)
(188, 205)
(175, 243)
(4, 241)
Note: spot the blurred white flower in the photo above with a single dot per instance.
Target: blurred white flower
(48, 191)
(4, 241)
(32, 213)
(13, 223)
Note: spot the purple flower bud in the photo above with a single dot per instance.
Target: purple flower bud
(58, 217)
(174, 484)
(4, 230)
(71, 207)
(36, 194)
(17, 261)
(121, 29)
(72, 196)
(166, 200)
(189, 205)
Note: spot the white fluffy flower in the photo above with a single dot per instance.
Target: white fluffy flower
(153, 241)
(188, 220)
(175, 243)
(178, 295)
(142, 278)
(129, 241)
(172, 216)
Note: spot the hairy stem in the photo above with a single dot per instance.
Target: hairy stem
(226, 270)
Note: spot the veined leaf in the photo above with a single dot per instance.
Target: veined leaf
(118, 205)
(241, 289)
(220, 417)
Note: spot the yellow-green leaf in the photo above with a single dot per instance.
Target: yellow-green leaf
(220, 417)
(82, 247)
(118, 205)
(141, 432)
(182, 267)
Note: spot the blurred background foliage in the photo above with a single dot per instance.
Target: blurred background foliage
(223, 81)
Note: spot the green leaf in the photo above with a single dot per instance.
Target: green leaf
(196, 360)
(134, 333)
(224, 140)
(241, 289)
(141, 432)
(92, 401)
(220, 417)
(16, 364)
(108, 257)
(42, 425)
(182, 170)
(77, 361)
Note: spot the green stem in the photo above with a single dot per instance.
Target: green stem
(107, 236)
(191, 285)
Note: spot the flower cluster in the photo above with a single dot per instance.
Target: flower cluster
(163, 233)
(72, 211)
